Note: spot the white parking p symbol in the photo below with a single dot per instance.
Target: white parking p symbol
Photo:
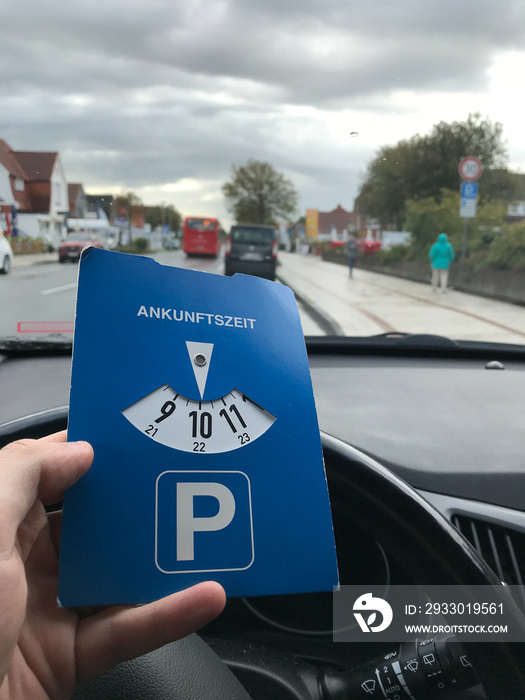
(188, 524)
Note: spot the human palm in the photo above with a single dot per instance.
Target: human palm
(45, 650)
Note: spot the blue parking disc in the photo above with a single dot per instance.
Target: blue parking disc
(194, 390)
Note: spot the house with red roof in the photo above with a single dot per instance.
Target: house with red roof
(38, 189)
(333, 224)
(7, 199)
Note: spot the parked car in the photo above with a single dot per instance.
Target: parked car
(75, 243)
(252, 250)
(6, 255)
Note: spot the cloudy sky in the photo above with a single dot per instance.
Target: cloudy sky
(163, 96)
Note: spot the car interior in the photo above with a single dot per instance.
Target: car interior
(260, 138)
(423, 446)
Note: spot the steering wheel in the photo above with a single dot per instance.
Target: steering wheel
(424, 542)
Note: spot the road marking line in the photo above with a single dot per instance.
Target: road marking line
(376, 319)
(45, 327)
(63, 288)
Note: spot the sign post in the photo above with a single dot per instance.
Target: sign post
(470, 170)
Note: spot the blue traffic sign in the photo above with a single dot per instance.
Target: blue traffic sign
(469, 190)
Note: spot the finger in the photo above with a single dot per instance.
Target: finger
(61, 436)
(55, 529)
(119, 634)
(32, 469)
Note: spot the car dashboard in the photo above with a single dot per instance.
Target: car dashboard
(448, 423)
(452, 427)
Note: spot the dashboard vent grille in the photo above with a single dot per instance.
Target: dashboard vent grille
(502, 548)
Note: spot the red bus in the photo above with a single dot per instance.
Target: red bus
(200, 236)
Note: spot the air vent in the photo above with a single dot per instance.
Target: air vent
(502, 548)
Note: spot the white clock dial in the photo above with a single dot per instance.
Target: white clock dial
(203, 427)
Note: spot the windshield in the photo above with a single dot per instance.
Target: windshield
(382, 142)
(79, 237)
(252, 235)
(203, 224)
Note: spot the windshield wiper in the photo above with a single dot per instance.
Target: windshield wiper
(53, 344)
(414, 344)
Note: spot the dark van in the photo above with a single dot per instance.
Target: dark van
(252, 250)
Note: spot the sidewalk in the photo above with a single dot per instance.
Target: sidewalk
(34, 259)
(372, 303)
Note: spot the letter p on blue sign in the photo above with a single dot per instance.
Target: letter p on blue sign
(203, 522)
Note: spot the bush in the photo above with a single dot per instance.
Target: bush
(426, 218)
(141, 245)
(395, 254)
(319, 247)
(138, 246)
(507, 251)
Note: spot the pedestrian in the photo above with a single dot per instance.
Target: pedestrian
(441, 255)
(352, 250)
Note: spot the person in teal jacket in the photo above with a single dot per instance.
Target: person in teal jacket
(441, 255)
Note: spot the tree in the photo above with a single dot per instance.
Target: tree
(430, 216)
(160, 215)
(258, 194)
(427, 217)
(129, 206)
(422, 166)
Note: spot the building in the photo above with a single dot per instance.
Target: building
(7, 200)
(10, 174)
(39, 191)
(77, 200)
(331, 225)
(334, 223)
(100, 204)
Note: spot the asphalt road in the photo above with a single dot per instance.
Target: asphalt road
(366, 305)
(46, 292)
(43, 292)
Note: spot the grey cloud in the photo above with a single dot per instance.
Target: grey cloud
(289, 45)
(184, 89)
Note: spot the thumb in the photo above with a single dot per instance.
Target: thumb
(36, 469)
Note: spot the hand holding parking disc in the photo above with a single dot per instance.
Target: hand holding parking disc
(207, 446)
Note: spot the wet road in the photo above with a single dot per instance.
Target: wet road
(41, 297)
